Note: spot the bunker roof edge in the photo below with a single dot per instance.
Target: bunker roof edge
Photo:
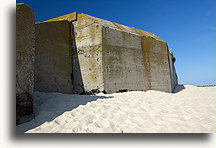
(81, 16)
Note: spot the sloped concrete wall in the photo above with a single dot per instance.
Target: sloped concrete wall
(25, 36)
(134, 62)
(87, 57)
(123, 62)
(132, 59)
(53, 57)
(156, 64)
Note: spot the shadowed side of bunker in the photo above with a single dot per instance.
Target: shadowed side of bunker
(53, 57)
(25, 46)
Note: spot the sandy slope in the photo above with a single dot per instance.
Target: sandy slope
(192, 109)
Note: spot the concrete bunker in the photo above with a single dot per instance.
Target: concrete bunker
(25, 48)
(78, 53)
(110, 57)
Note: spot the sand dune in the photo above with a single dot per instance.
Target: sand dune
(189, 110)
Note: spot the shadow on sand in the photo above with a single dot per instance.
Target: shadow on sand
(48, 106)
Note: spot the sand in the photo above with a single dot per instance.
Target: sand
(190, 109)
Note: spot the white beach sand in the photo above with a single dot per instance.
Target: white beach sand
(189, 110)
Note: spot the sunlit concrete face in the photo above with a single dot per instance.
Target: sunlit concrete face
(123, 63)
(87, 58)
(53, 57)
(156, 64)
(134, 62)
(25, 48)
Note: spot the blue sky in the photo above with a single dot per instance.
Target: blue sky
(188, 26)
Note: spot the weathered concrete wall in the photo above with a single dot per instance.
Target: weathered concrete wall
(53, 57)
(134, 62)
(25, 36)
(132, 59)
(86, 38)
(87, 57)
(110, 57)
(122, 61)
(156, 64)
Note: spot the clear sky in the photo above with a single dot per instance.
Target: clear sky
(188, 26)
